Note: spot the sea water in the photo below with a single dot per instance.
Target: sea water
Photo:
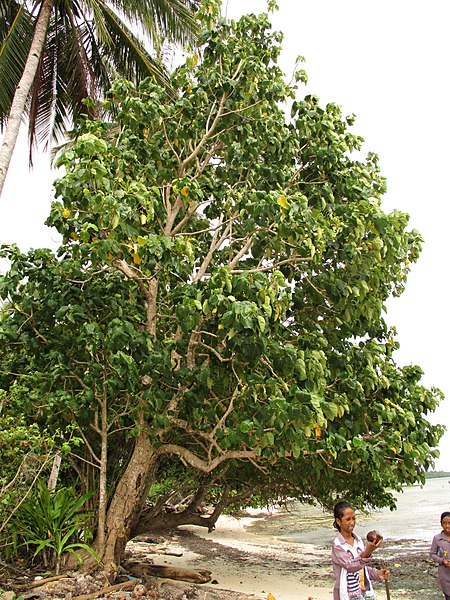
(418, 512)
(417, 517)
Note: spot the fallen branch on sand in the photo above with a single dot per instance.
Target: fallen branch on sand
(40, 582)
(118, 587)
(143, 570)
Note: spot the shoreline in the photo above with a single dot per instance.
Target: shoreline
(243, 562)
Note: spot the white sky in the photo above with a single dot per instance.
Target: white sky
(388, 62)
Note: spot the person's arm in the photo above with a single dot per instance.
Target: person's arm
(378, 574)
(341, 557)
(370, 548)
(434, 551)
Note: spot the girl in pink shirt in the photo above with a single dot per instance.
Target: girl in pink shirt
(351, 558)
(440, 553)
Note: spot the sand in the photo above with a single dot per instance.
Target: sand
(256, 563)
(248, 557)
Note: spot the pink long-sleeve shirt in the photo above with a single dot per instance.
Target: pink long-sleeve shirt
(440, 549)
(343, 557)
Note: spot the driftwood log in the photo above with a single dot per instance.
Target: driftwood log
(41, 582)
(144, 570)
(176, 590)
(126, 585)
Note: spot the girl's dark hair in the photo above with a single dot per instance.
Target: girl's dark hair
(445, 514)
(339, 510)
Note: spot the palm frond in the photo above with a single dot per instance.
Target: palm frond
(41, 96)
(8, 11)
(89, 42)
(16, 32)
(171, 19)
(66, 76)
(127, 54)
(81, 76)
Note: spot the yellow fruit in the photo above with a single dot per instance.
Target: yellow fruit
(283, 202)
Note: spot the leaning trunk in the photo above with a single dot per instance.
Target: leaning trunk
(127, 502)
(23, 89)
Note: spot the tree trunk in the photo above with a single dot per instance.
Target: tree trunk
(17, 110)
(163, 521)
(167, 521)
(103, 483)
(127, 502)
(53, 478)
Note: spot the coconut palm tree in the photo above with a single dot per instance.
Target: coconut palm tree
(55, 53)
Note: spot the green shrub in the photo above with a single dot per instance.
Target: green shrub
(53, 525)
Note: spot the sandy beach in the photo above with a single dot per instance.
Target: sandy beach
(257, 556)
(249, 563)
(283, 553)
(247, 560)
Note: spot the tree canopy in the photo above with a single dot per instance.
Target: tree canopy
(213, 322)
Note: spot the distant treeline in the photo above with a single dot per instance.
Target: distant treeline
(433, 474)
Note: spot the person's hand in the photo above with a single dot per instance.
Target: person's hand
(384, 574)
(374, 541)
(446, 562)
(372, 546)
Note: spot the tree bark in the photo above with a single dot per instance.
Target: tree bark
(127, 502)
(23, 89)
(53, 478)
(103, 482)
(149, 522)
(169, 521)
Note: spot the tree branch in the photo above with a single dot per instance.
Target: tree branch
(245, 248)
(32, 323)
(272, 266)
(208, 133)
(214, 351)
(197, 463)
(212, 248)
(122, 266)
(222, 420)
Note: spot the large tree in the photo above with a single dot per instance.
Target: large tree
(213, 322)
(54, 54)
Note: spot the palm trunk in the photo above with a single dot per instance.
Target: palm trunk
(23, 89)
